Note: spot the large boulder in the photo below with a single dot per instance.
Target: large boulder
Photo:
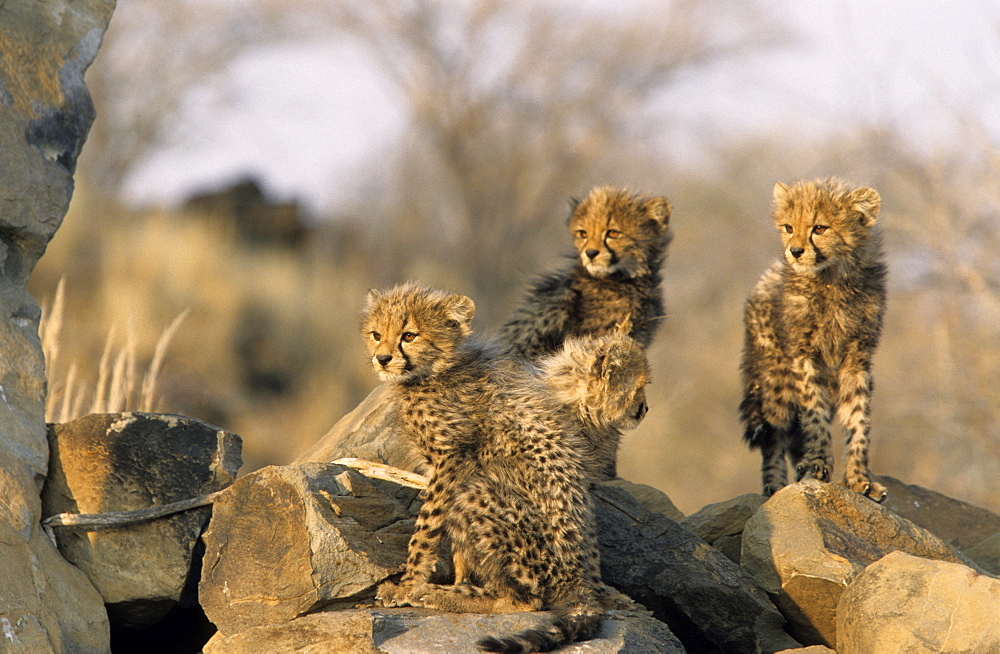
(708, 601)
(902, 603)
(811, 539)
(288, 540)
(421, 631)
(128, 461)
(45, 114)
(721, 524)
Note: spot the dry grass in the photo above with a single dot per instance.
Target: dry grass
(119, 386)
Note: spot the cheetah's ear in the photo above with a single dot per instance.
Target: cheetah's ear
(624, 326)
(461, 309)
(867, 202)
(373, 297)
(658, 209)
(780, 193)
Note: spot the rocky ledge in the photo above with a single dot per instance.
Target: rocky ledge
(290, 557)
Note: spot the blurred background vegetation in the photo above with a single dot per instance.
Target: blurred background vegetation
(243, 306)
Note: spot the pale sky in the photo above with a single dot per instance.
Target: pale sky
(309, 128)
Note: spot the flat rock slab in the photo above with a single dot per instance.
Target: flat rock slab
(126, 461)
(811, 539)
(287, 540)
(708, 601)
(422, 631)
(902, 603)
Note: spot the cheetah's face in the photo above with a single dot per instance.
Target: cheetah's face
(821, 223)
(615, 232)
(411, 332)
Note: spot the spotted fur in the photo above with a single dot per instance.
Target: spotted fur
(621, 240)
(508, 482)
(812, 325)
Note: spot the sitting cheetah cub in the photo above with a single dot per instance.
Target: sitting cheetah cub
(812, 325)
(601, 381)
(621, 240)
(508, 481)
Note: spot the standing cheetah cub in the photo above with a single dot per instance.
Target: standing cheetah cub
(508, 481)
(621, 240)
(812, 325)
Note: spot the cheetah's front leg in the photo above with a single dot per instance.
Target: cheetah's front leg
(817, 450)
(422, 551)
(854, 414)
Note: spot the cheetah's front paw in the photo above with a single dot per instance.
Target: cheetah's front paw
(813, 469)
(391, 594)
(869, 488)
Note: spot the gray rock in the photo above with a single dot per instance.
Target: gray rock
(708, 601)
(45, 114)
(127, 461)
(368, 433)
(652, 498)
(809, 541)
(986, 554)
(421, 631)
(959, 523)
(721, 524)
(902, 603)
(287, 540)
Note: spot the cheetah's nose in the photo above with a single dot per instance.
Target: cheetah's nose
(383, 359)
(797, 251)
(591, 253)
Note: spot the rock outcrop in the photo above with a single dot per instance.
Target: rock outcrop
(45, 114)
(368, 433)
(128, 461)
(811, 539)
(902, 603)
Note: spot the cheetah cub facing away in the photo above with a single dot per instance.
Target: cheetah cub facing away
(508, 481)
(621, 240)
(812, 326)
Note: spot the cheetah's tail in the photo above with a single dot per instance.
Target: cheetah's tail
(570, 623)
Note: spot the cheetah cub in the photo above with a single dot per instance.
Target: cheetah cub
(621, 240)
(812, 326)
(601, 381)
(508, 481)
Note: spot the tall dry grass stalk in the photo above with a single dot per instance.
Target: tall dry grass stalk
(119, 385)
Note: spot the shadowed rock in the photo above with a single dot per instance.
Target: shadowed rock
(708, 601)
(127, 461)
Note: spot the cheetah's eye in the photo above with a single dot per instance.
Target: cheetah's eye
(614, 233)
(408, 337)
(581, 233)
(788, 228)
(376, 336)
(819, 229)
